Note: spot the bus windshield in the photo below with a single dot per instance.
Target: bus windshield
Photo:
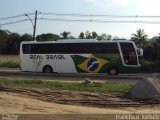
(129, 54)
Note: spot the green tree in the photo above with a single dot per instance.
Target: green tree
(94, 35)
(156, 45)
(26, 37)
(3, 41)
(81, 35)
(13, 43)
(109, 37)
(47, 37)
(71, 37)
(139, 37)
(104, 36)
(65, 35)
(116, 38)
(88, 35)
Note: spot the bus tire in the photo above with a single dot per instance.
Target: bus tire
(113, 71)
(47, 69)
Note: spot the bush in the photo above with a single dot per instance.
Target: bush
(150, 66)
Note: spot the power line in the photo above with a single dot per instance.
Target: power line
(99, 15)
(84, 20)
(16, 16)
(101, 21)
(14, 22)
(80, 15)
(80, 20)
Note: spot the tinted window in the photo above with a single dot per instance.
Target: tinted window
(26, 48)
(129, 54)
(70, 48)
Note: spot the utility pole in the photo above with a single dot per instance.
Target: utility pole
(34, 28)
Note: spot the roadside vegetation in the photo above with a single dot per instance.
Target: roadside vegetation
(9, 64)
(109, 88)
(150, 66)
(11, 61)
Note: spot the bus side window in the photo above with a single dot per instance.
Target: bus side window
(26, 48)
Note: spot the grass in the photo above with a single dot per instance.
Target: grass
(111, 88)
(9, 64)
(9, 61)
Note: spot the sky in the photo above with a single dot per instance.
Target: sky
(135, 8)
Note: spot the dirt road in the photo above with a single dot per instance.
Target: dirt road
(21, 104)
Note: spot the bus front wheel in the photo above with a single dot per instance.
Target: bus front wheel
(113, 71)
(47, 69)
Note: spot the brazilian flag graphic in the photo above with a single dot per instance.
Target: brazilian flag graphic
(90, 64)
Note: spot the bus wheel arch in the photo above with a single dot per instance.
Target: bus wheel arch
(47, 69)
(113, 70)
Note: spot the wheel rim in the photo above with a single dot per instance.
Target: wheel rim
(47, 69)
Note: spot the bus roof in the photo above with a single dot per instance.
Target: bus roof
(75, 41)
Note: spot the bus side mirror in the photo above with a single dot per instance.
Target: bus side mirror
(140, 52)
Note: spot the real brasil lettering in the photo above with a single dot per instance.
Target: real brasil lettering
(47, 57)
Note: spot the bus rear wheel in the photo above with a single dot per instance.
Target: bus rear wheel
(47, 69)
(113, 71)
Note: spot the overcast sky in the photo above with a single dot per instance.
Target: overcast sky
(90, 7)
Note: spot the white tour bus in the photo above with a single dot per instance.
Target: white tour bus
(80, 56)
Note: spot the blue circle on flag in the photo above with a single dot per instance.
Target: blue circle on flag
(92, 64)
